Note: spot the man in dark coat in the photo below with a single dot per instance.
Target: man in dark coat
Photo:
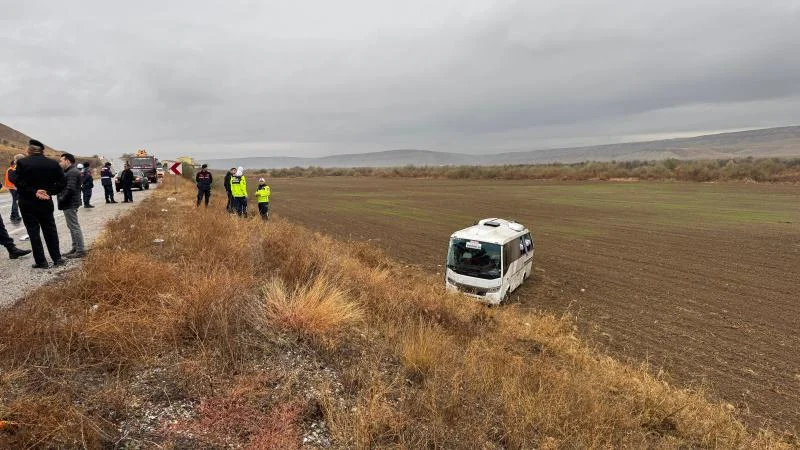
(227, 183)
(126, 181)
(204, 179)
(87, 184)
(38, 179)
(69, 200)
(106, 176)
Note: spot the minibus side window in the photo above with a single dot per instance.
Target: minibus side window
(508, 252)
(511, 253)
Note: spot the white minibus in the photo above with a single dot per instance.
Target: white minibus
(489, 260)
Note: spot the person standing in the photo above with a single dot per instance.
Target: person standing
(11, 175)
(126, 181)
(38, 179)
(69, 200)
(239, 192)
(87, 184)
(7, 242)
(227, 183)
(262, 195)
(106, 176)
(203, 180)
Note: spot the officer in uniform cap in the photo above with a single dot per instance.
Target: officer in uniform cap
(105, 179)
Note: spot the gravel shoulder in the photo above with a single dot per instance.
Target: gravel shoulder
(18, 278)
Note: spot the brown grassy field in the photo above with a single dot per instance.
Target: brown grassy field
(698, 279)
(239, 333)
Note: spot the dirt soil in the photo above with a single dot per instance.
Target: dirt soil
(698, 280)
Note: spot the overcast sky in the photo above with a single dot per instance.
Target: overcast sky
(311, 78)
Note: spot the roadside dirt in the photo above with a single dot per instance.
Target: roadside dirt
(714, 305)
(17, 277)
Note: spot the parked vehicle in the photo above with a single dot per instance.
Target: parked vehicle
(140, 181)
(489, 260)
(160, 172)
(147, 164)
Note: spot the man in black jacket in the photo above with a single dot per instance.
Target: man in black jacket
(69, 200)
(87, 184)
(38, 179)
(227, 183)
(203, 180)
(126, 181)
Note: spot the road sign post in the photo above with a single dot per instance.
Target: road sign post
(176, 169)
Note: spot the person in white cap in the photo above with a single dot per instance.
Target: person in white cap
(262, 195)
(239, 192)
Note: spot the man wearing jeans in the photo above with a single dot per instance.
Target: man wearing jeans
(69, 200)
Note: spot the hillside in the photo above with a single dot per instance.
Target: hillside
(769, 142)
(13, 142)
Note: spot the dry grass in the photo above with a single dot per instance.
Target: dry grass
(319, 309)
(259, 329)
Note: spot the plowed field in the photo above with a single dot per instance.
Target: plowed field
(701, 281)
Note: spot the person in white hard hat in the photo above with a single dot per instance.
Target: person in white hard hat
(262, 195)
(239, 192)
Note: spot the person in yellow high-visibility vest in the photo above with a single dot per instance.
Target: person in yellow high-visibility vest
(262, 195)
(239, 192)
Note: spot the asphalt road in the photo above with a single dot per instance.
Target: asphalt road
(17, 278)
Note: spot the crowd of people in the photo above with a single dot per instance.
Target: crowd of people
(235, 184)
(33, 181)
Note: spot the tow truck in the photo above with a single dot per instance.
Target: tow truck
(148, 164)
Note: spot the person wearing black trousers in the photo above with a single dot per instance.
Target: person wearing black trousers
(106, 180)
(38, 179)
(87, 185)
(227, 182)
(126, 181)
(204, 180)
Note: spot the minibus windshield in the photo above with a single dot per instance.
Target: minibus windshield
(474, 258)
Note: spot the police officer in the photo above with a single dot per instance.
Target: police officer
(262, 195)
(106, 180)
(227, 182)
(38, 179)
(87, 184)
(203, 180)
(239, 192)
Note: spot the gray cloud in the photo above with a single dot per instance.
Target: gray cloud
(312, 78)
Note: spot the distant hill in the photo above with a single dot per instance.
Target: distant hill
(13, 142)
(11, 138)
(768, 142)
